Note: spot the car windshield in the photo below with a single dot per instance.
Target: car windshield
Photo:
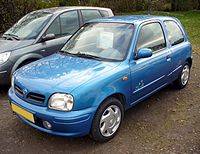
(105, 41)
(29, 26)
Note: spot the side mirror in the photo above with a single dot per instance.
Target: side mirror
(48, 37)
(144, 53)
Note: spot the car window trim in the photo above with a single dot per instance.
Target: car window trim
(180, 30)
(140, 27)
(80, 18)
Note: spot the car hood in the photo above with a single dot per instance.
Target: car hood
(60, 73)
(9, 45)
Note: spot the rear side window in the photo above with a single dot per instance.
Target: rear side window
(90, 14)
(175, 35)
(151, 36)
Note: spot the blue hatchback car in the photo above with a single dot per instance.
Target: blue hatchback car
(106, 67)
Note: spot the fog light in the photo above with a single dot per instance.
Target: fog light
(47, 125)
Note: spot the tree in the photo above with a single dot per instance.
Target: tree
(199, 5)
(149, 6)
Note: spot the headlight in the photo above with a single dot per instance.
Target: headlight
(4, 57)
(62, 102)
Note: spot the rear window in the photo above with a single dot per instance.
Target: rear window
(90, 14)
(175, 34)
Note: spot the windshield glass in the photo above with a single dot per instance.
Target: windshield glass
(103, 40)
(29, 26)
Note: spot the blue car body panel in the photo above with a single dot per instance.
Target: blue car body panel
(90, 81)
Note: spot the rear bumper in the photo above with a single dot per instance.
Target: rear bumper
(74, 123)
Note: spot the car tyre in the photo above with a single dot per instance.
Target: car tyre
(183, 77)
(107, 120)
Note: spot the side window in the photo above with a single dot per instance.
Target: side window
(90, 14)
(175, 34)
(69, 22)
(54, 28)
(104, 13)
(151, 36)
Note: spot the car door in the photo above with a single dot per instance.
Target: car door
(62, 27)
(179, 47)
(150, 74)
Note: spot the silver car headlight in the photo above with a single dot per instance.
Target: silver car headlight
(62, 102)
(4, 57)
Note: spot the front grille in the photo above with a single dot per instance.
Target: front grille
(37, 98)
(29, 96)
(19, 91)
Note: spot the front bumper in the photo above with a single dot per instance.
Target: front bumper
(4, 78)
(5, 70)
(74, 123)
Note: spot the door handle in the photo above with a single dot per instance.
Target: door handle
(168, 58)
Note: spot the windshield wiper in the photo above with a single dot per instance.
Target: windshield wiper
(79, 54)
(11, 36)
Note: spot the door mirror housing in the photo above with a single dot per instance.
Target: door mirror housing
(144, 53)
(48, 37)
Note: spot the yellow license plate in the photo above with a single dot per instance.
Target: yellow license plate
(29, 116)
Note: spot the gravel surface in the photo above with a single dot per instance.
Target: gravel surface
(167, 122)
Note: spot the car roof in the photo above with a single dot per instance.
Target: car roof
(55, 10)
(132, 18)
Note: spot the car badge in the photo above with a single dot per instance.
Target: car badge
(25, 91)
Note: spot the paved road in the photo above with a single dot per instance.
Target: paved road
(168, 122)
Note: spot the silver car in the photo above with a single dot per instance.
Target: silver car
(42, 33)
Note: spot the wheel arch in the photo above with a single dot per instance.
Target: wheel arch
(189, 60)
(23, 59)
(120, 96)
